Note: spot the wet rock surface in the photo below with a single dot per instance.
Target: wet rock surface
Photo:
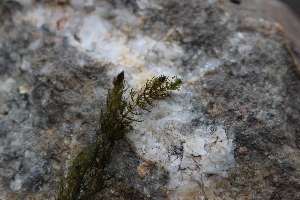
(238, 74)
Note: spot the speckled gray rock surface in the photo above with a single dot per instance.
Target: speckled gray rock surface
(49, 105)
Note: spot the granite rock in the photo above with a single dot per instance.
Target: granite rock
(232, 132)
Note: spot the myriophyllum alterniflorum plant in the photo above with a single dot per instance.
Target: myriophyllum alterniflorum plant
(87, 175)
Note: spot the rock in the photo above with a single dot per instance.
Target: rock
(143, 170)
(232, 132)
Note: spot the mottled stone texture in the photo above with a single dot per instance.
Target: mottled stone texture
(49, 104)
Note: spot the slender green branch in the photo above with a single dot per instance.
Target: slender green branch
(87, 175)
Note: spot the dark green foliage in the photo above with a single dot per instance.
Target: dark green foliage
(87, 176)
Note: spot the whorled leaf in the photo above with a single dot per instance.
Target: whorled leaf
(87, 175)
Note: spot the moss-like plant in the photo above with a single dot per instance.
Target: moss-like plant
(87, 175)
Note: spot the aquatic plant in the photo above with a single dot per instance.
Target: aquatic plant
(87, 175)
